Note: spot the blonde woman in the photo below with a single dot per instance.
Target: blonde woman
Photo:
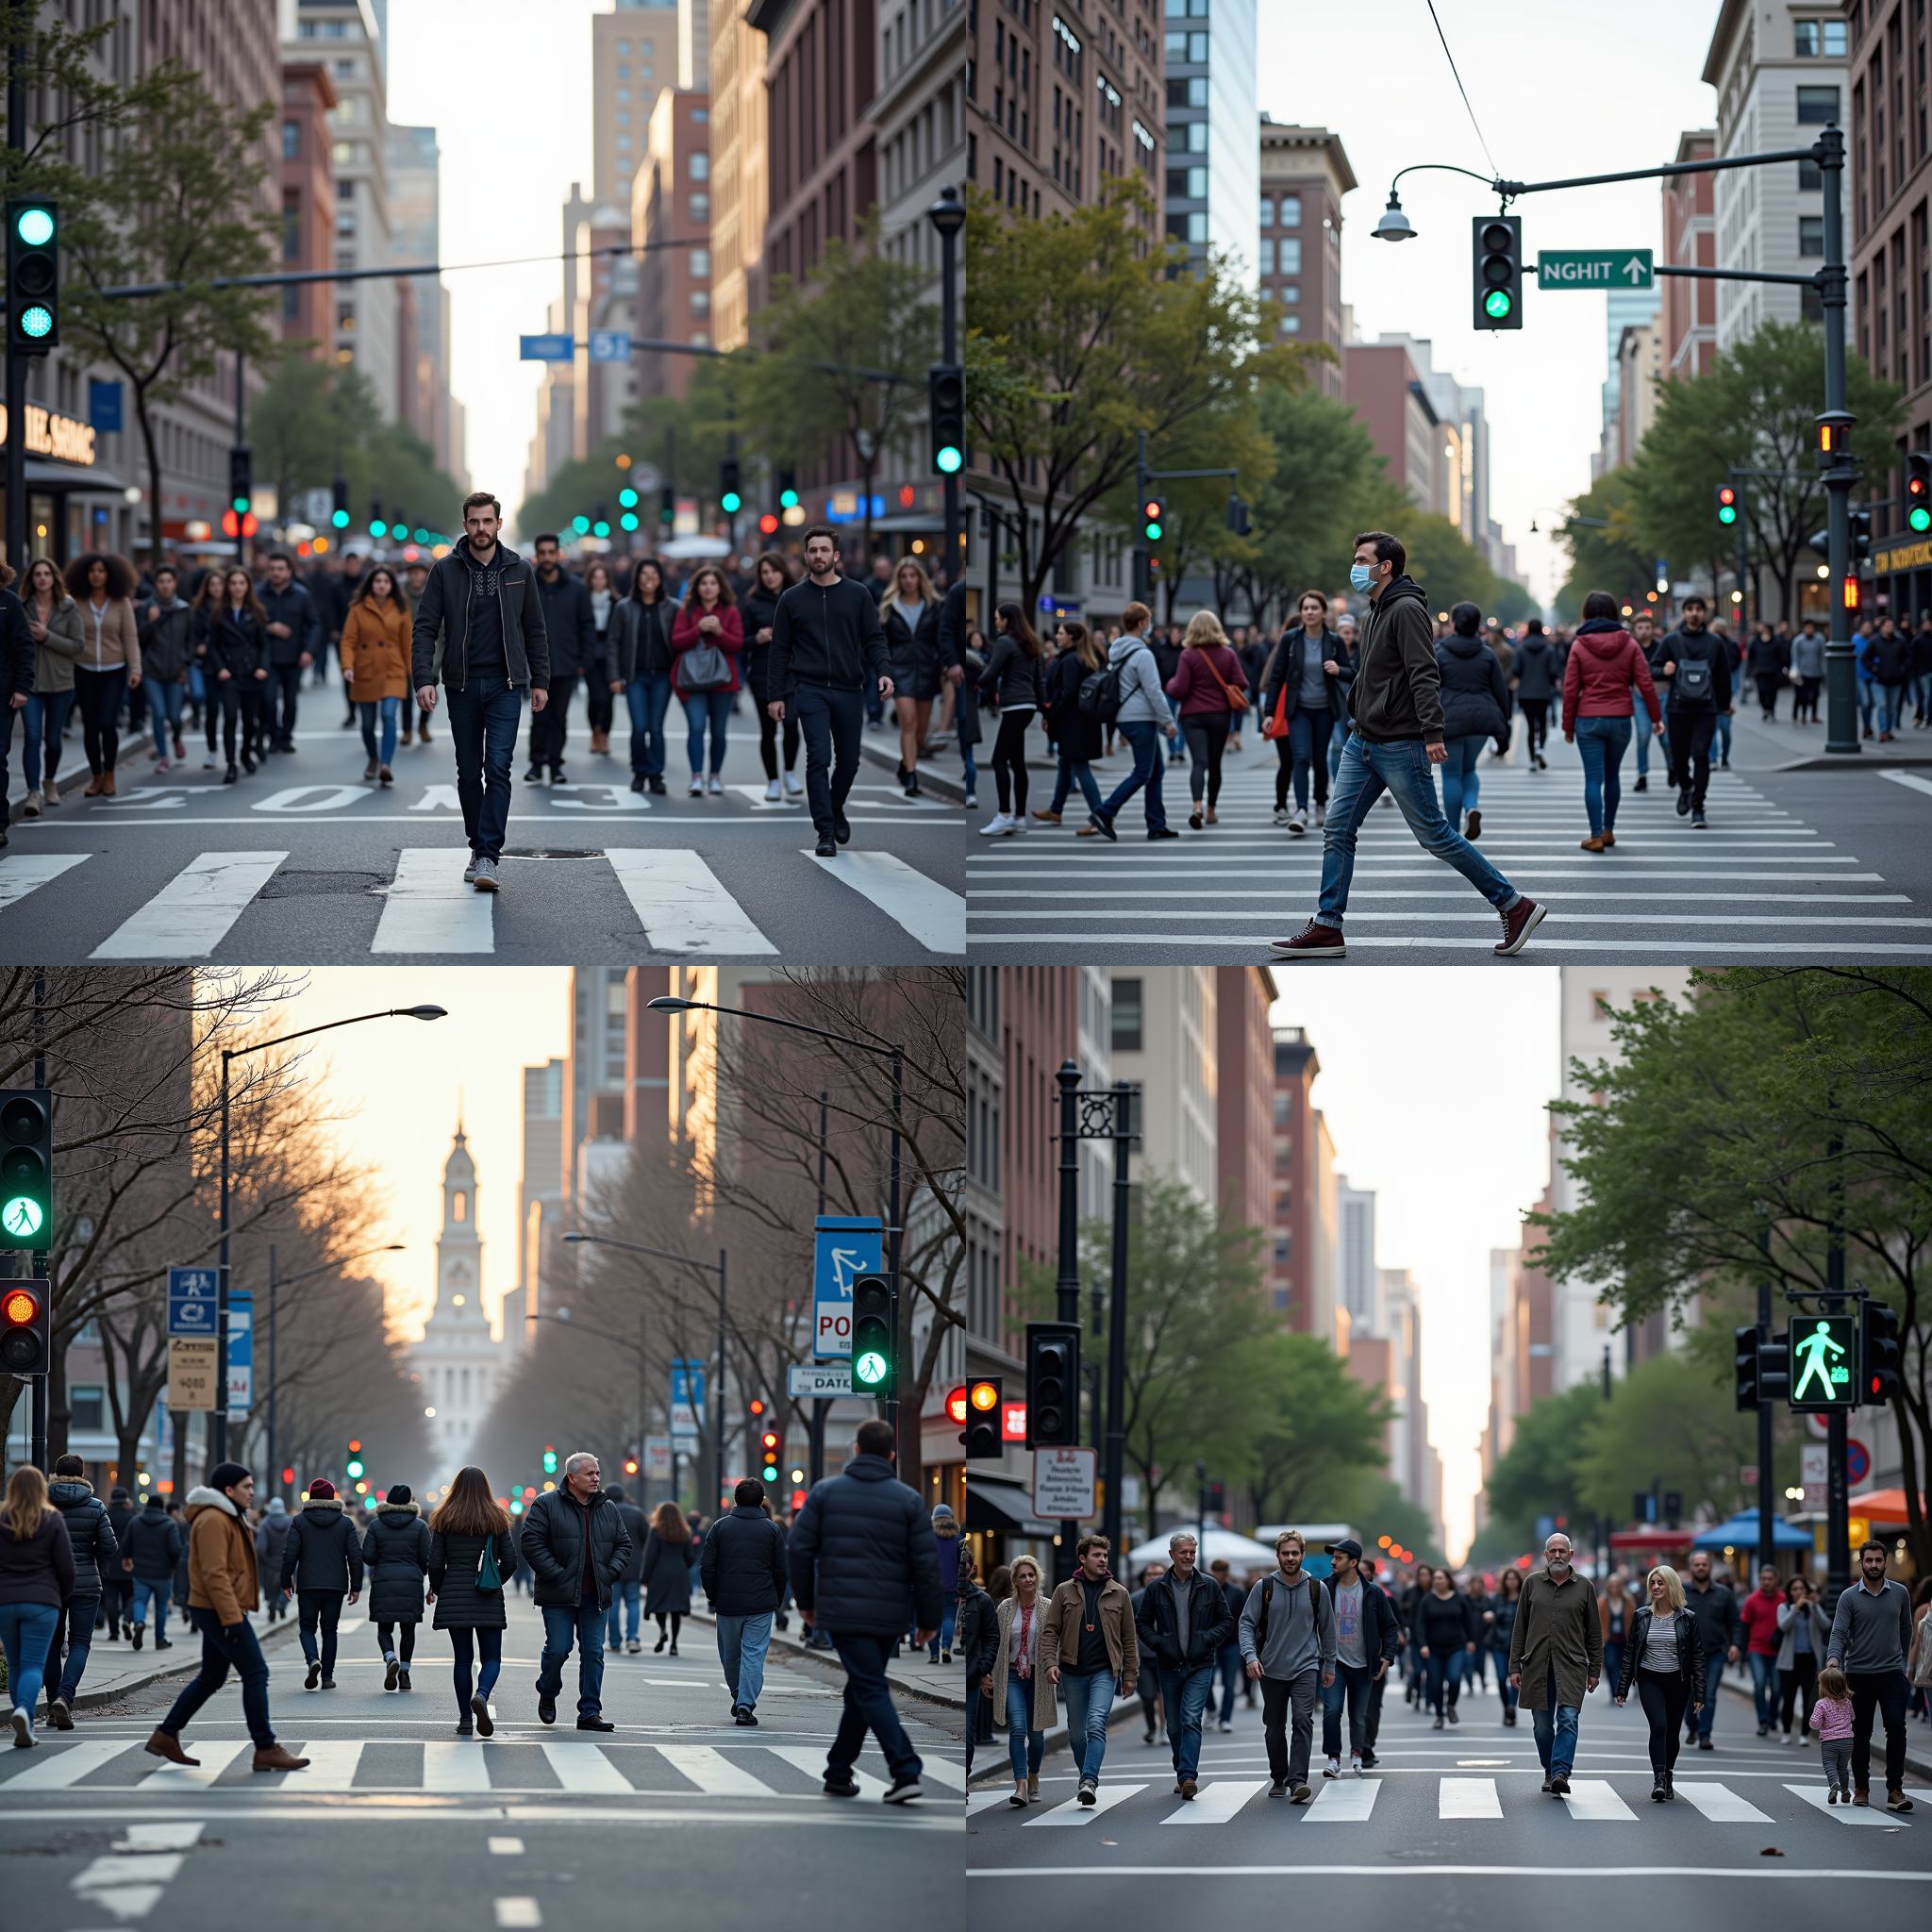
(1021, 1692)
(911, 614)
(36, 1585)
(1212, 693)
(1664, 1660)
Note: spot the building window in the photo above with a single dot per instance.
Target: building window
(1187, 93)
(1290, 255)
(1819, 39)
(1289, 292)
(1816, 106)
(1809, 179)
(701, 167)
(345, 321)
(701, 208)
(292, 140)
(87, 1407)
(1811, 235)
(623, 117)
(623, 140)
(1265, 265)
(701, 301)
(1126, 1015)
(1290, 210)
(1290, 324)
(1187, 184)
(624, 74)
(700, 262)
(1190, 228)
(1267, 210)
(623, 93)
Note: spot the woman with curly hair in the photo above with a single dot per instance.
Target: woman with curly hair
(108, 667)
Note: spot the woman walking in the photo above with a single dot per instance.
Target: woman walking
(643, 664)
(1535, 674)
(53, 618)
(108, 666)
(1766, 661)
(911, 614)
(1077, 655)
(760, 610)
(205, 605)
(1305, 707)
(238, 649)
(598, 694)
(1665, 1661)
(1012, 680)
(472, 1559)
(966, 712)
(165, 631)
(36, 1587)
(1022, 1700)
(375, 650)
(1602, 664)
(397, 1548)
(1808, 667)
(706, 642)
(1616, 1605)
(1804, 1635)
(670, 1556)
(1499, 1621)
(1475, 708)
(945, 1529)
(1446, 1629)
(1211, 692)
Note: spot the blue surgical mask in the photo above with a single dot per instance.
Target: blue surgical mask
(1361, 576)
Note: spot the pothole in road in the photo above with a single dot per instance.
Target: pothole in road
(319, 885)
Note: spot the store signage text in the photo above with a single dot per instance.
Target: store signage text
(61, 438)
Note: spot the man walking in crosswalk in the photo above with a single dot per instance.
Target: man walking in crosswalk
(1556, 1658)
(1288, 1643)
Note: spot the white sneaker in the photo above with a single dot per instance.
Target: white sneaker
(1355, 1764)
(794, 787)
(52, 794)
(998, 826)
(717, 786)
(771, 796)
(1298, 823)
(1332, 1768)
(971, 801)
(1281, 816)
(210, 763)
(696, 788)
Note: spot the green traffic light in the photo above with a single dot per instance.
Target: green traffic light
(947, 459)
(353, 1467)
(628, 498)
(1154, 533)
(868, 1368)
(628, 519)
(36, 320)
(581, 526)
(600, 528)
(22, 1215)
(1497, 304)
(377, 528)
(340, 519)
(787, 499)
(1920, 518)
(1727, 514)
(731, 503)
(34, 227)
(238, 503)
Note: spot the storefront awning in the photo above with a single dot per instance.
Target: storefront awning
(1003, 1508)
(74, 482)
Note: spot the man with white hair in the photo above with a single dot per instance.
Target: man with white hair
(1555, 1657)
(577, 1548)
(1183, 1621)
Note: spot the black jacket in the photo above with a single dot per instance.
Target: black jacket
(444, 611)
(168, 642)
(1079, 733)
(21, 650)
(1157, 1624)
(1445, 1623)
(1715, 1611)
(1284, 666)
(237, 644)
(570, 624)
(396, 1548)
(454, 1560)
(1767, 657)
(1476, 700)
(1012, 677)
(667, 1572)
(1381, 1621)
(1397, 691)
(153, 1543)
(296, 607)
(758, 612)
(96, 1552)
(862, 1554)
(914, 653)
(977, 1636)
(1689, 1652)
(634, 1528)
(826, 633)
(1682, 645)
(1537, 671)
(552, 1544)
(742, 1564)
(641, 639)
(321, 1552)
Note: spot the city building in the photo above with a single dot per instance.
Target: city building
(738, 187)
(1303, 1226)
(1245, 1092)
(671, 213)
(423, 401)
(309, 202)
(1640, 370)
(1382, 385)
(1499, 1424)
(540, 1192)
(1213, 167)
(1460, 461)
(920, 111)
(1163, 1041)
(633, 54)
(1780, 69)
(1625, 309)
(1357, 1283)
(1304, 175)
(1689, 318)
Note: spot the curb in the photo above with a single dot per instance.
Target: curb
(277, 1634)
(795, 1646)
(1854, 761)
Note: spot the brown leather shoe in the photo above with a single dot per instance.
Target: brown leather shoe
(106, 784)
(1593, 844)
(160, 1744)
(1046, 818)
(1314, 941)
(1609, 839)
(93, 786)
(275, 1759)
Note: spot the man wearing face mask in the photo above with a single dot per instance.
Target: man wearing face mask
(1556, 1658)
(1395, 709)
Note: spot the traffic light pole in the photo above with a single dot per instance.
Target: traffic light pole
(1767, 1507)
(1837, 1501)
(1117, 1316)
(1144, 479)
(16, 364)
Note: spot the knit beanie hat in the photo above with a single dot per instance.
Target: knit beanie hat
(400, 1493)
(320, 1490)
(943, 1511)
(224, 1476)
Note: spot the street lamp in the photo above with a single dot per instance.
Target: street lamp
(218, 1416)
(1394, 225)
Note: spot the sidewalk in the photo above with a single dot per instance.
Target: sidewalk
(117, 1670)
(1788, 748)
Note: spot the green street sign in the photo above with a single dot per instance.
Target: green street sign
(1592, 268)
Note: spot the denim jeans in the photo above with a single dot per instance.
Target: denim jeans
(1613, 1664)
(647, 699)
(1555, 1738)
(1637, 714)
(1461, 781)
(1723, 730)
(489, 1648)
(1229, 1665)
(868, 1698)
(742, 1645)
(942, 1638)
(1073, 773)
(1089, 1697)
(73, 1635)
(392, 712)
(223, 1650)
(1713, 1677)
(700, 708)
(1444, 1678)
(1143, 741)
(627, 1597)
(164, 695)
(45, 719)
(1312, 747)
(1403, 770)
(321, 1610)
(1763, 1686)
(148, 1589)
(1601, 743)
(25, 1632)
(282, 698)
(1352, 1685)
(1505, 1688)
(483, 719)
(581, 1624)
(1892, 698)
(1026, 1746)
(1185, 1695)
(831, 721)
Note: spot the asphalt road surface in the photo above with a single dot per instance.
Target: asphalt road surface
(676, 1818)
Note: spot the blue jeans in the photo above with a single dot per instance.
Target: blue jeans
(223, 1650)
(648, 699)
(1555, 1738)
(1723, 724)
(164, 695)
(1638, 712)
(700, 708)
(1893, 699)
(1613, 1663)
(1184, 1694)
(392, 709)
(1143, 739)
(1089, 1697)
(1505, 1688)
(868, 1700)
(1026, 1746)
(1352, 1685)
(489, 1648)
(1403, 770)
(1713, 1677)
(147, 1590)
(1461, 781)
(1763, 1686)
(1337, 739)
(628, 1598)
(1229, 1665)
(742, 1645)
(581, 1624)
(1309, 733)
(483, 719)
(1602, 742)
(45, 719)
(1445, 1668)
(942, 1637)
(1073, 773)
(75, 1635)
(831, 722)
(25, 1631)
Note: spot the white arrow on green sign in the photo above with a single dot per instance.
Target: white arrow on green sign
(1593, 268)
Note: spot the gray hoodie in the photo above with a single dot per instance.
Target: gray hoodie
(1301, 1626)
(1143, 701)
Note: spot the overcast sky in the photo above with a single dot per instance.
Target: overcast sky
(1560, 88)
(1434, 1081)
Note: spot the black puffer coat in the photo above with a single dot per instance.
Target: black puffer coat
(454, 1558)
(666, 1572)
(396, 1549)
(742, 1564)
(1476, 700)
(634, 1528)
(863, 1556)
(96, 1552)
(321, 1552)
(154, 1541)
(552, 1544)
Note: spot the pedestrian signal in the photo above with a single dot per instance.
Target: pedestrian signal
(983, 1419)
(1919, 491)
(1053, 1385)
(27, 1169)
(25, 1346)
(1824, 1361)
(874, 1335)
(1883, 1359)
(667, 506)
(33, 277)
(1497, 246)
(1726, 504)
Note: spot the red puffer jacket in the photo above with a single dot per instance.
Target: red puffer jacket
(1602, 664)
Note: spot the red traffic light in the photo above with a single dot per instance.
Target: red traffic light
(20, 1308)
(767, 525)
(956, 1405)
(287, 1478)
(1853, 595)
(1917, 485)
(243, 525)
(354, 1447)
(770, 1441)
(756, 1406)
(1726, 494)
(630, 1465)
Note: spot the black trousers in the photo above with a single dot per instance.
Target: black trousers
(768, 741)
(1689, 735)
(1009, 762)
(831, 722)
(242, 699)
(598, 702)
(404, 1646)
(1373, 1722)
(283, 688)
(322, 1607)
(549, 726)
(1206, 736)
(1536, 720)
(1884, 1693)
(1664, 1697)
(1768, 683)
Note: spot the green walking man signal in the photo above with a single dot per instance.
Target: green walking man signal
(1824, 1357)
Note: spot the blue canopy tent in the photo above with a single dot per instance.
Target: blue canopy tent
(1740, 1533)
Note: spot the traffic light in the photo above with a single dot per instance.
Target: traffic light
(241, 477)
(1919, 491)
(1217, 1502)
(1053, 1385)
(352, 1465)
(767, 525)
(25, 1343)
(1883, 1359)
(287, 1478)
(771, 1453)
(731, 497)
(1824, 1361)
(549, 1459)
(1238, 521)
(599, 527)
(1861, 536)
(983, 1418)
(875, 1336)
(788, 489)
(946, 389)
(667, 506)
(339, 514)
(1744, 1367)
(27, 1169)
(630, 1465)
(1774, 1367)
(376, 527)
(33, 277)
(1726, 504)
(1153, 518)
(1497, 244)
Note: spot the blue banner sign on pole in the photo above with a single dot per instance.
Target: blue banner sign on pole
(241, 1353)
(545, 348)
(104, 405)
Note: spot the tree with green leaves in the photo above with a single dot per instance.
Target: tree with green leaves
(1541, 1473)
(1379, 1507)
(1319, 1429)
(1606, 551)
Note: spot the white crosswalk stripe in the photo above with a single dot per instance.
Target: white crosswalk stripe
(585, 1769)
(191, 915)
(1845, 1814)
(681, 905)
(26, 872)
(429, 910)
(58, 1770)
(1073, 1812)
(1346, 1800)
(332, 1765)
(934, 915)
(1468, 1797)
(452, 1769)
(1216, 1802)
(1720, 1804)
(214, 1758)
(811, 1758)
(713, 1773)
(1594, 1799)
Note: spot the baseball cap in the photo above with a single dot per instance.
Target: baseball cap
(1347, 1547)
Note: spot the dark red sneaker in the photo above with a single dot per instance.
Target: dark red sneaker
(1518, 923)
(1314, 941)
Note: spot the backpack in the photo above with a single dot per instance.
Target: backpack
(1100, 693)
(1692, 680)
(1268, 1597)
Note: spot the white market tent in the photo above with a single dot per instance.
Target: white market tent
(1242, 1552)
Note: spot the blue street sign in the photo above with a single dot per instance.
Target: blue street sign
(241, 1353)
(687, 1399)
(552, 348)
(844, 1247)
(104, 405)
(609, 345)
(193, 1294)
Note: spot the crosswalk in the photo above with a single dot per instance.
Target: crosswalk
(674, 898)
(1760, 882)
